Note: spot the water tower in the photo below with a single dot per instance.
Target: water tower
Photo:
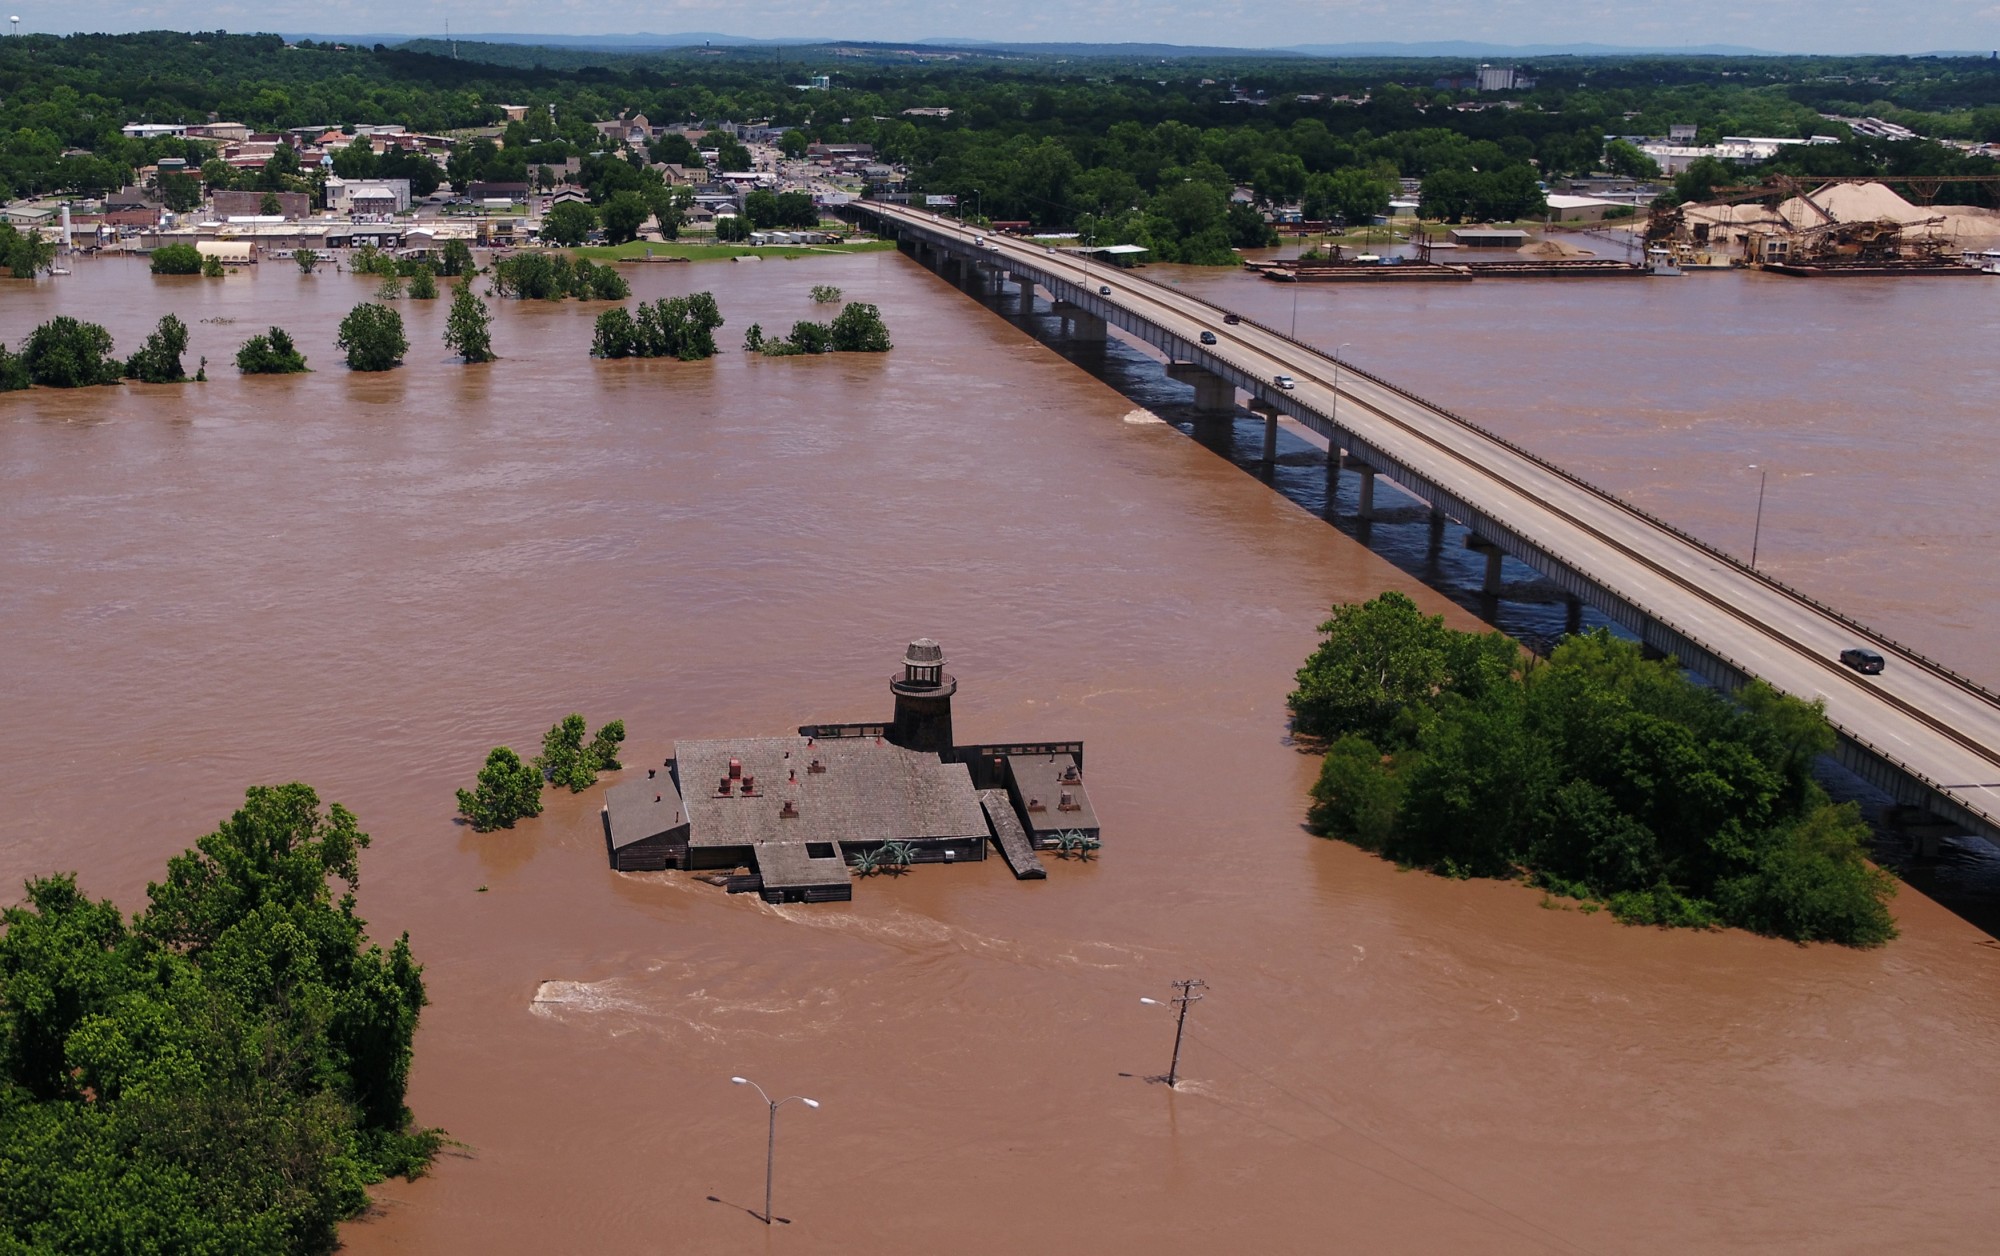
(923, 700)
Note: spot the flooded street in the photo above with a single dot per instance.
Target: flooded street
(365, 582)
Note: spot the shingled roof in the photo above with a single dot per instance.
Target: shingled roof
(643, 809)
(866, 790)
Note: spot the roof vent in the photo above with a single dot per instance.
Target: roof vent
(749, 786)
(722, 790)
(735, 768)
(1068, 802)
(1036, 804)
(815, 766)
(790, 811)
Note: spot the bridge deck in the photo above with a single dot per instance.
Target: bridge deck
(1935, 729)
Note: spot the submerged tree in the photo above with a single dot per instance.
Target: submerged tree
(272, 353)
(372, 337)
(675, 327)
(566, 760)
(455, 259)
(176, 259)
(66, 353)
(468, 328)
(859, 329)
(1599, 774)
(159, 359)
(423, 283)
(307, 259)
(508, 790)
(25, 254)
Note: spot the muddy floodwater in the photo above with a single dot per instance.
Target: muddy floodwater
(365, 582)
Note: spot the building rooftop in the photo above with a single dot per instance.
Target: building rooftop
(640, 809)
(864, 790)
(1051, 790)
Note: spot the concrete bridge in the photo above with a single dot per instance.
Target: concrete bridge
(1918, 732)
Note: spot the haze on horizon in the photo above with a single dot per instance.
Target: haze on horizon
(1799, 26)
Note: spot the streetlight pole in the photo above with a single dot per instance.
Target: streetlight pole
(1186, 996)
(1757, 532)
(771, 1139)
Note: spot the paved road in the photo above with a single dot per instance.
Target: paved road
(1938, 727)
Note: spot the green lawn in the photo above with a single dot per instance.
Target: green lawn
(695, 252)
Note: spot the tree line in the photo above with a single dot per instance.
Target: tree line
(66, 352)
(1596, 774)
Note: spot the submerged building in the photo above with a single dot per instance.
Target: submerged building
(797, 810)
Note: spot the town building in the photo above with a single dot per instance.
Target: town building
(367, 196)
(793, 812)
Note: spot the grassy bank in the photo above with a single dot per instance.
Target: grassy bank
(693, 252)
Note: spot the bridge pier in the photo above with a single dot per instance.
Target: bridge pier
(1365, 503)
(1480, 545)
(1269, 413)
(1081, 324)
(1212, 393)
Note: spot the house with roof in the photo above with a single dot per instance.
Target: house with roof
(789, 814)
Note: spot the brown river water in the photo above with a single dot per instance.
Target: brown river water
(366, 582)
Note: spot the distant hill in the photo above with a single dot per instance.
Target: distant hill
(1125, 51)
(644, 41)
(1466, 48)
(641, 41)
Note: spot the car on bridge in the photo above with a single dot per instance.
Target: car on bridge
(1103, 290)
(1285, 382)
(1865, 661)
(1232, 319)
(1208, 337)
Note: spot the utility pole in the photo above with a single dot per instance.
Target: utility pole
(1186, 996)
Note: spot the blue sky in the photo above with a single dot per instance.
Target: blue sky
(1782, 25)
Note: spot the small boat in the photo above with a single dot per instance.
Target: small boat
(59, 270)
(1663, 263)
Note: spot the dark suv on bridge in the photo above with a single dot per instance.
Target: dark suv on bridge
(1867, 662)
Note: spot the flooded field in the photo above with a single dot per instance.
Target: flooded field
(366, 582)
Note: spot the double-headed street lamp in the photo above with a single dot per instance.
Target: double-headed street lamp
(771, 1140)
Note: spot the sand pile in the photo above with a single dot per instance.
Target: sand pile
(1965, 226)
(1555, 249)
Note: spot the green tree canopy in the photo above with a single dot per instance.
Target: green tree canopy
(176, 259)
(66, 353)
(272, 353)
(159, 359)
(1599, 774)
(372, 338)
(569, 224)
(224, 1073)
(468, 329)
